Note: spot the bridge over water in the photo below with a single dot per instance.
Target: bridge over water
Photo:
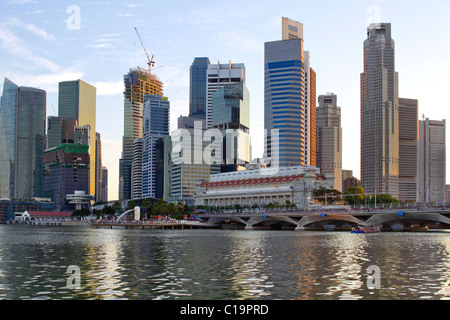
(388, 219)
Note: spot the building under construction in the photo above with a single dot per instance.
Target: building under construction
(138, 83)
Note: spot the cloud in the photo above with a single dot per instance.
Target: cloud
(48, 82)
(109, 88)
(100, 45)
(14, 23)
(20, 1)
(131, 5)
(15, 47)
(234, 40)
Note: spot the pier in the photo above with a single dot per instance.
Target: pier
(172, 224)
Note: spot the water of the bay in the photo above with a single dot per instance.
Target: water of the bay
(221, 264)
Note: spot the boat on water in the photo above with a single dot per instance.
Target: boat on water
(366, 229)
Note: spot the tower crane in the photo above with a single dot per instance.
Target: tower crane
(150, 62)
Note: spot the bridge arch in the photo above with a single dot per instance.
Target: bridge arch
(410, 216)
(306, 220)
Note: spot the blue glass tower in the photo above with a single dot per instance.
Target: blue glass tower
(155, 126)
(197, 92)
(284, 101)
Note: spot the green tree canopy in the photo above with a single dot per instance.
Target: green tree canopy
(354, 195)
(331, 195)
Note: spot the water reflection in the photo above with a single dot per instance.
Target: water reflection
(216, 264)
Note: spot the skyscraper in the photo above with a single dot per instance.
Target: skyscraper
(329, 138)
(77, 100)
(432, 161)
(218, 76)
(379, 113)
(284, 96)
(408, 150)
(22, 141)
(231, 115)
(156, 125)
(310, 149)
(138, 83)
(197, 90)
(104, 184)
(98, 167)
(66, 171)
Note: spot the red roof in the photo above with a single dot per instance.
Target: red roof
(49, 214)
(273, 180)
(250, 181)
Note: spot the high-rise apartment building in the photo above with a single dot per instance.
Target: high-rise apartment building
(218, 76)
(379, 113)
(197, 90)
(329, 138)
(432, 161)
(138, 83)
(77, 100)
(156, 123)
(408, 150)
(22, 141)
(284, 96)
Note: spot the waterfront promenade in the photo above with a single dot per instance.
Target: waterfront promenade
(389, 219)
(157, 224)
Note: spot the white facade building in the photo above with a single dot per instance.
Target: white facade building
(263, 186)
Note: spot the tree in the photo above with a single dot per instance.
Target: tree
(181, 207)
(331, 195)
(145, 203)
(384, 198)
(117, 206)
(160, 208)
(354, 195)
(131, 204)
(108, 210)
(84, 212)
(171, 209)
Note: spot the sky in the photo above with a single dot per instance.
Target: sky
(45, 42)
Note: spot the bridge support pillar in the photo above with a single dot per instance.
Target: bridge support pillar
(299, 228)
(248, 227)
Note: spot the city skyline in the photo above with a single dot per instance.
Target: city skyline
(40, 46)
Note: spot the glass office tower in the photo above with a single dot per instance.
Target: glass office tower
(7, 138)
(379, 113)
(22, 141)
(231, 115)
(284, 105)
(156, 118)
(77, 100)
(197, 91)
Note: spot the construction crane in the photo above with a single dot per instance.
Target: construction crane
(150, 62)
